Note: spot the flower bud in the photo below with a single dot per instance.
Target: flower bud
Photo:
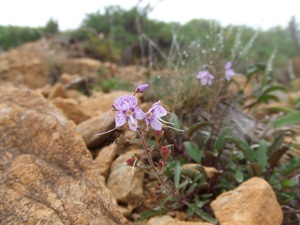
(160, 165)
(164, 152)
(129, 162)
(141, 88)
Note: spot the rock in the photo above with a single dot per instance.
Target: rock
(76, 95)
(96, 125)
(252, 203)
(57, 91)
(125, 183)
(70, 108)
(105, 158)
(168, 220)
(47, 173)
(24, 66)
(82, 66)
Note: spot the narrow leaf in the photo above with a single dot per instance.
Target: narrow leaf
(219, 144)
(262, 156)
(196, 127)
(291, 166)
(203, 214)
(177, 175)
(286, 120)
(193, 151)
(244, 147)
(276, 156)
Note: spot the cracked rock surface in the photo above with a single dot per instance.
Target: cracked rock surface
(47, 173)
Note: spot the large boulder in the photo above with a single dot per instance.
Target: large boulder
(47, 173)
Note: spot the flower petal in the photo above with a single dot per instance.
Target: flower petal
(204, 81)
(120, 119)
(125, 102)
(202, 74)
(228, 65)
(132, 123)
(157, 110)
(156, 125)
(138, 113)
(229, 73)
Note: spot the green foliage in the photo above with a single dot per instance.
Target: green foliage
(287, 120)
(51, 27)
(109, 84)
(190, 183)
(102, 49)
(193, 151)
(13, 36)
(123, 28)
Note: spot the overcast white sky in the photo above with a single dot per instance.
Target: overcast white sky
(69, 13)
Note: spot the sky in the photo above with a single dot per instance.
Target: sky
(261, 14)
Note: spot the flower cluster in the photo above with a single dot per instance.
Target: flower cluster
(128, 112)
(206, 77)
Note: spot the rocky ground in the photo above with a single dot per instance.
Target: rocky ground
(54, 170)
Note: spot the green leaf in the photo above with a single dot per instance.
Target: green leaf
(239, 176)
(193, 151)
(278, 141)
(254, 68)
(244, 147)
(177, 175)
(175, 121)
(219, 144)
(184, 184)
(286, 197)
(266, 95)
(288, 183)
(291, 166)
(202, 214)
(267, 98)
(262, 156)
(196, 127)
(191, 188)
(150, 213)
(287, 120)
(276, 109)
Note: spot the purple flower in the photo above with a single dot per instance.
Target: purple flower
(206, 77)
(228, 71)
(153, 116)
(141, 88)
(128, 111)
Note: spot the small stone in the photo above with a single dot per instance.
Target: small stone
(253, 203)
(90, 129)
(105, 158)
(125, 183)
(70, 108)
(57, 91)
(168, 220)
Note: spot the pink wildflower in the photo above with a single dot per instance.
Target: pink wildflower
(228, 71)
(206, 77)
(127, 111)
(153, 116)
